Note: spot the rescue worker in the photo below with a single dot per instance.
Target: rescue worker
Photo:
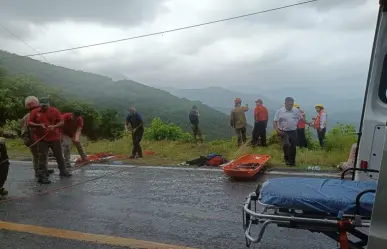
(136, 122)
(238, 120)
(320, 123)
(194, 119)
(285, 123)
(261, 118)
(301, 136)
(47, 121)
(31, 103)
(4, 167)
(71, 132)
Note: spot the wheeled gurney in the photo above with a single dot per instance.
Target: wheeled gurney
(334, 207)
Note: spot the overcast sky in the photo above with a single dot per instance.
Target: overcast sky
(320, 45)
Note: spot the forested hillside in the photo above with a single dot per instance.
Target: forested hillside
(105, 93)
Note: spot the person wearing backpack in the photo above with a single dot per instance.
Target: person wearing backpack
(238, 120)
(31, 103)
(194, 119)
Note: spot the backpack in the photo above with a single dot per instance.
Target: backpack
(193, 117)
(216, 161)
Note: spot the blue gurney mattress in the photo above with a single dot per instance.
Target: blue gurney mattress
(319, 195)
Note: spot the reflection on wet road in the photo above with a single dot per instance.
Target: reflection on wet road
(197, 209)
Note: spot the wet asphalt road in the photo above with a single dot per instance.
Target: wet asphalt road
(200, 209)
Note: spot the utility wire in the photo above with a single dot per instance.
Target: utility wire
(17, 37)
(171, 30)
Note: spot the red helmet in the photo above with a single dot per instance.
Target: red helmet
(31, 102)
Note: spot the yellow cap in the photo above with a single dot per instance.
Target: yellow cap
(296, 106)
(319, 105)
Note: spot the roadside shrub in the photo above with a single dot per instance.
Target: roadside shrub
(11, 129)
(159, 130)
(340, 137)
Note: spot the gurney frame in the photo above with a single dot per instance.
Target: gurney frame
(335, 227)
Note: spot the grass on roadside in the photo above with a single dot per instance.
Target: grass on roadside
(173, 153)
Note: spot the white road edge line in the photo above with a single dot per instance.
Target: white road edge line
(274, 172)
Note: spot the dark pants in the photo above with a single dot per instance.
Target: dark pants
(241, 134)
(289, 141)
(136, 139)
(197, 132)
(321, 136)
(43, 147)
(259, 133)
(301, 138)
(4, 164)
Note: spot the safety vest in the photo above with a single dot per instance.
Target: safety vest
(317, 120)
(301, 123)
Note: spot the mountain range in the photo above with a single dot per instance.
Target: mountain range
(104, 92)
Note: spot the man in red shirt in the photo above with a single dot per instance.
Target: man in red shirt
(72, 128)
(261, 118)
(47, 122)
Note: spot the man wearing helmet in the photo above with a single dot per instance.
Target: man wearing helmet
(72, 128)
(238, 120)
(320, 123)
(48, 122)
(31, 103)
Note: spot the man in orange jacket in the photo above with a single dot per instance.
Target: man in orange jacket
(301, 137)
(320, 123)
(261, 117)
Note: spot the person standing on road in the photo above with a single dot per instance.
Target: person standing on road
(320, 123)
(71, 132)
(31, 103)
(301, 136)
(4, 167)
(137, 125)
(47, 121)
(285, 123)
(194, 119)
(238, 120)
(261, 118)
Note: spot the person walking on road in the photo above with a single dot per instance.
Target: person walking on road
(31, 103)
(47, 121)
(4, 167)
(238, 120)
(285, 123)
(137, 125)
(71, 132)
(261, 118)
(320, 123)
(194, 119)
(301, 136)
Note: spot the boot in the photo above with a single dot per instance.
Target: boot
(3, 192)
(43, 180)
(65, 173)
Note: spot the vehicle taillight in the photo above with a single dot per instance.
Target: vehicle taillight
(363, 164)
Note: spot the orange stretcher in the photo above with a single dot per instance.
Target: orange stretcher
(246, 166)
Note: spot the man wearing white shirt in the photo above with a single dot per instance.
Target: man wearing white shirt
(285, 123)
(320, 123)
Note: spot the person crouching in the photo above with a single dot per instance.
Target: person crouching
(71, 132)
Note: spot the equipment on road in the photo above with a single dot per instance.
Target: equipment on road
(246, 166)
(334, 207)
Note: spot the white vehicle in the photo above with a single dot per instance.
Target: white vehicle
(372, 151)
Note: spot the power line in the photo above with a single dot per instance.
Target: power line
(17, 37)
(171, 30)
